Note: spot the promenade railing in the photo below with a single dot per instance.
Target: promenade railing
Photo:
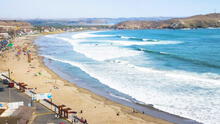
(61, 111)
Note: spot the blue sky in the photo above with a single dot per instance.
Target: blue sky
(105, 8)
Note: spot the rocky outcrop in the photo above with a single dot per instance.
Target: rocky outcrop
(199, 21)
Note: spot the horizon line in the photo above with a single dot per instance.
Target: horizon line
(66, 18)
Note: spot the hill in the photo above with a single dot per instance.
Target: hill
(199, 21)
(10, 28)
(12, 25)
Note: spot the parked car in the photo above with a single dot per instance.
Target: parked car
(1, 85)
(1, 88)
(6, 82)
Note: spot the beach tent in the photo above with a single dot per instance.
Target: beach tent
(10, 45)
(3, 44)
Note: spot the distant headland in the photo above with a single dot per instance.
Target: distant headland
(199, 21)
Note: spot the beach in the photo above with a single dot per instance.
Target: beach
(95, 109)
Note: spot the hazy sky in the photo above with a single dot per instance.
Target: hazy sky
(105, 8)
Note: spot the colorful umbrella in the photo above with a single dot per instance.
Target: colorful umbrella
(10, 45)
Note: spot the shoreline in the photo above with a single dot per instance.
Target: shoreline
(106, 110)
(139, 108)
(123, 108)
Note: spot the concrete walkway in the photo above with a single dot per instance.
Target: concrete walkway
(42, 114)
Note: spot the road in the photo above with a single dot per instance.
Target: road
(43, 115)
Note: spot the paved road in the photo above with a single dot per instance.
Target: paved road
(44, 115)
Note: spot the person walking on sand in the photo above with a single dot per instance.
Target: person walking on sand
(29, 56)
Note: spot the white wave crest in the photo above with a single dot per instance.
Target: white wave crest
(129, 43)
(100, 52)
(88, 35)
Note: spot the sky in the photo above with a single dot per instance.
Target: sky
(55, 9)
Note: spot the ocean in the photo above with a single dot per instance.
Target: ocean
(176, 71)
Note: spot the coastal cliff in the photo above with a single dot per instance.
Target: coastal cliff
(199, 21)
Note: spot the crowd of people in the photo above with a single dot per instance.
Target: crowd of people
(23, 50)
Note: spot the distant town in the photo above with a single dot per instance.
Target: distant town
(12, 28)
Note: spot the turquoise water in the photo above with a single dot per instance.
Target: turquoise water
(177, 71)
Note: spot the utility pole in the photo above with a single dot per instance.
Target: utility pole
(9, 89)
(9, 73)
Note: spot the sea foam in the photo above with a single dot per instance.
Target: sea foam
(100, 52)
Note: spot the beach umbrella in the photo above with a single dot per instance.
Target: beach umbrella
(10, 45)
(4, 42)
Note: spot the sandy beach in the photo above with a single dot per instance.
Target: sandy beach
(96, 109)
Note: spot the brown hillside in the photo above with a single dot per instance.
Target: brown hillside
(199, 21)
